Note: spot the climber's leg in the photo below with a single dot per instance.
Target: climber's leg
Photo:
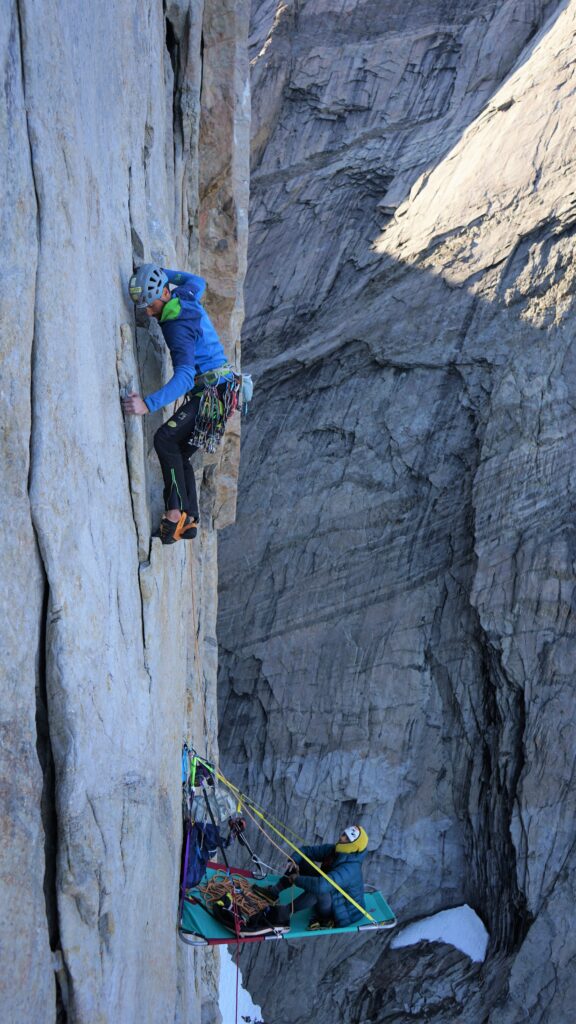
(180, 497)
(188, 451)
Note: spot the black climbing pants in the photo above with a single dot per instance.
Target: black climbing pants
(322, 901)
(173, 448)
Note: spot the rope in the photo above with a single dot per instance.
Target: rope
(270, 868)
(260, 865)
(237, 930)
(238, 888)
(248, 806)
(269, 838)
(237, 976)
(293, 846)
(237, 793)
(243, 798)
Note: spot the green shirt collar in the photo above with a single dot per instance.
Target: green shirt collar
(171, 310)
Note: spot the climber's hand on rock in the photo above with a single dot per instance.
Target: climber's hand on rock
(133, 405)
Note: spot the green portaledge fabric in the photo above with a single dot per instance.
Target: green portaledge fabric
(171, 310)
(197, 921)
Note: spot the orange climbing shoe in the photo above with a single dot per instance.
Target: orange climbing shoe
(171, 532)
(190, 528)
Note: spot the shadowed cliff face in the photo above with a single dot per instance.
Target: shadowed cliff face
(400, 648)
(351, 103)
(124, 138)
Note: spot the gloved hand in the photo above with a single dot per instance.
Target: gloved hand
(291, 870)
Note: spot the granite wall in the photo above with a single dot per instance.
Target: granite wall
(124, 137)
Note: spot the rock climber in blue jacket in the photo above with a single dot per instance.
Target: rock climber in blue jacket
(342, 861)
(201, 372)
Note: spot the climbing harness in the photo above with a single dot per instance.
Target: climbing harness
(218, 392)
(221, 392)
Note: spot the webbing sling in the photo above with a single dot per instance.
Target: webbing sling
(234, 789)
(211, 377)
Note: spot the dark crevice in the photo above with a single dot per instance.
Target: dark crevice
(48, 812)
(496, 763)
(502, 760)
(493, 774)
(143, 624)
(201, 63)
(23, 67)
(173, 47)
(177, 36)
(61, 1015)
(138, 541)
(43, 742)
(48, 799)
(127, 384)
(137, 245)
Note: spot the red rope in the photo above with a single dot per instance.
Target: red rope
(237, 977)
(237, 930)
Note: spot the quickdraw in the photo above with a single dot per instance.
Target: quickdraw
(219, 392)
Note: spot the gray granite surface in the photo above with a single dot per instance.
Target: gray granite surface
(397, 596)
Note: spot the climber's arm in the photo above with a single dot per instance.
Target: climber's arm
(182, 277)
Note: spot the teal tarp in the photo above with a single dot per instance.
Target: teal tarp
(196, 921)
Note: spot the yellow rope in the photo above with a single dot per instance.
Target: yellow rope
(284, 854)
(269, 838)
(244, 798)
(236, 791)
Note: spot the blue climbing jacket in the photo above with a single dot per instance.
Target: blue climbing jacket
(346, 870)
(190, 336)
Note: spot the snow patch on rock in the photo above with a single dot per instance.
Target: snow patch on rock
(460, 927)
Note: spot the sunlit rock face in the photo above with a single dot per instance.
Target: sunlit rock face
(396, 611)
(124, 138)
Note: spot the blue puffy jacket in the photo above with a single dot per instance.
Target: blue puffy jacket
(189, 334)
(346, 870)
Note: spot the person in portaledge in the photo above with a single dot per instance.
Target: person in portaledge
(342, 861)
(201, 373)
